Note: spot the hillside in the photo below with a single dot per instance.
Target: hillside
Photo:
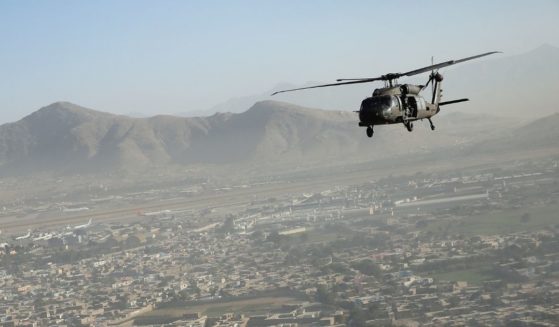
(541, 133)
(67, 138)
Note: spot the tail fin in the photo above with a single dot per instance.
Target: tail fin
(437, 91)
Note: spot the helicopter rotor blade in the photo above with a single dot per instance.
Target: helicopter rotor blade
(444, 64)
(432, 74)
(391, 76)
(428, 82)
(366, 80)
(350, 79)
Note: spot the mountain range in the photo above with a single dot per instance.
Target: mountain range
(67, 138)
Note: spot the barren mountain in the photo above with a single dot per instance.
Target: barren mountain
(64, 137)
(541, 133)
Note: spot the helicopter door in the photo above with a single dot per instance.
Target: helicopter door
(412, 103)
(421, 108)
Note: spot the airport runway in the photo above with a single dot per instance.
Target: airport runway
(236, 197)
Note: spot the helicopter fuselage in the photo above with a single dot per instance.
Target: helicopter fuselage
(395, 104)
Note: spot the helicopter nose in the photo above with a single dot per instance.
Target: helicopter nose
(367, 113)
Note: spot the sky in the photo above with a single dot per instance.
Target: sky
(162, 57)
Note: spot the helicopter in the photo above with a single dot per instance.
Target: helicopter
(400, 103)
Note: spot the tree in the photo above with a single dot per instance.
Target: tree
(228, 225)
(357, 317)
(304, 237)
(368, 267)
(454, 300)
(325, 295)
(274, 237)
(133, 241)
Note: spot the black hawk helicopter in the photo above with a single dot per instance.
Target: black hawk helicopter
(400, 103)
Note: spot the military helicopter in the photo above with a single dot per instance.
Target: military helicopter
(400, 103)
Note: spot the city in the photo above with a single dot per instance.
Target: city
(475, 246)
(279, 163)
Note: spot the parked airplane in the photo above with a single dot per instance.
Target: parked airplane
(154, 213)
(23, 237)
(84, 226)
(44, 237)
(61, 235)
(64, 209)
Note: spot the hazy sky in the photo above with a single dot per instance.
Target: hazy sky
(175, 56)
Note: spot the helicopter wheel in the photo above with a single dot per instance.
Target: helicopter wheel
(370, 131)
(431, 123)
(409, 126)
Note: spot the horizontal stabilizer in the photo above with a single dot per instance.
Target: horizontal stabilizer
(452, 101)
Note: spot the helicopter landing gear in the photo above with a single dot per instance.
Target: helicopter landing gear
(409, 126)
(370, 131)
(431, 123)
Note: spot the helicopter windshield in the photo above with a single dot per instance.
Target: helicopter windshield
(383, 101)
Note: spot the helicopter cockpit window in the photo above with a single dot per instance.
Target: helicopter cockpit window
(381, 101)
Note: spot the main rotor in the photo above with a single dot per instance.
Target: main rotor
(391, 77)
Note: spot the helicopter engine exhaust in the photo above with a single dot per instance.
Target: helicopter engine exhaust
(410, 89)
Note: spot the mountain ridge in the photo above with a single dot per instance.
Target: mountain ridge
(67, 138)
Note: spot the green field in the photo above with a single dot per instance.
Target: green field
(254, 306)
(474, 276)
(500, 222)
(322, 237)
